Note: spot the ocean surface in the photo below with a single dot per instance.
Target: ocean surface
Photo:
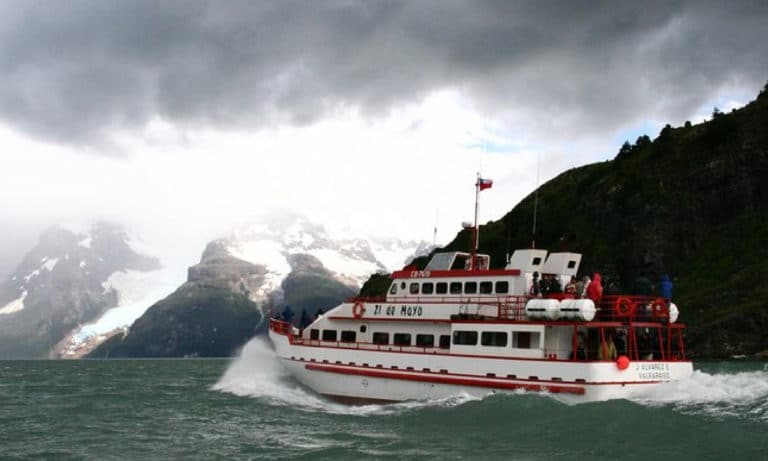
(247, 408)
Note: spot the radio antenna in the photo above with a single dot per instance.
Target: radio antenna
(509, 237)
(536, 202)
(434, 235)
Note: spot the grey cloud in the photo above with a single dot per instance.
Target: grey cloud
(72, 71)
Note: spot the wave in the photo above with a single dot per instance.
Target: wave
(741, 394)
(257, 373)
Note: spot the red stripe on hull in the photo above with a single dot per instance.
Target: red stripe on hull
(424, 378)
(347, 400)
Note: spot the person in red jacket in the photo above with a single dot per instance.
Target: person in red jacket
(595, 289)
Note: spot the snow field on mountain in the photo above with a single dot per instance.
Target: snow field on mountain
(15, 305)
(136, 292)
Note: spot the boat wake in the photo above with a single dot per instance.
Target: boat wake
(741, 394)
(257, 373)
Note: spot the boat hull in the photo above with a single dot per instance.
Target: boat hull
(355, 375)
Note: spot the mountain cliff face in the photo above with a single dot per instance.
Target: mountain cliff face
(63, 282)
(282, 260)
(693, 203)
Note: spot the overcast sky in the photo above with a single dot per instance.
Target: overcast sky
(180, 119)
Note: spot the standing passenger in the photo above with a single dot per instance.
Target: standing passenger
(535, 290)
(570, 288)
(595, 289)
(665, 287)
(607, 349)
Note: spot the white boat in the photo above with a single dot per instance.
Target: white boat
(459, 327)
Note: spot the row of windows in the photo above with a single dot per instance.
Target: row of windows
(520, 339)
(454, 288)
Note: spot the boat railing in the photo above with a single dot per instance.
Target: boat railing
(633, 308)
(667, 346)
(281, 327)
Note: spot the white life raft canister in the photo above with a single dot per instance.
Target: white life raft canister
(542, 309)
(576, 309)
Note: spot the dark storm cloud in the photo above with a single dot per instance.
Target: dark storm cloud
(72, 71)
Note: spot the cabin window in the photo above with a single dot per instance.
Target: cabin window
(401, 339)
(455, 288)
(414, 288)
(348, 336)
(525, 339)
(380, 338)
(502, 287)
(363, 328)
(465, 338)
(402, 285)
(445, 341)
(494, 338)
(486, 288)
(441, 288)
(425, 340)
(314, 333)
(393, 289)
(470, 288)
(536, 261)
(329, 335)
(427, 288)
(571, 264)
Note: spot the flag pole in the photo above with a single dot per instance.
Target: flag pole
(476, 236)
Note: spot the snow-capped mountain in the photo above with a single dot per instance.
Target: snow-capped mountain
(70, 279)
(281, 259)
(271, 240)
(77, 288)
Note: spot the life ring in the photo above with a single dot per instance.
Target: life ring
(624, 307)
(358, 310)
(659, 309)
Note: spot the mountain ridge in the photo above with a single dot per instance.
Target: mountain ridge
(693, 203)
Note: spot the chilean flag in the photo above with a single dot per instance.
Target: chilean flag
(484, 183)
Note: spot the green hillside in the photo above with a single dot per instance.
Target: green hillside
(693, 203)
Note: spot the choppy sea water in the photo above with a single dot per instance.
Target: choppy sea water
(248, 408)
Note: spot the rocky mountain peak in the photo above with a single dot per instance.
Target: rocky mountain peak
(61, 283)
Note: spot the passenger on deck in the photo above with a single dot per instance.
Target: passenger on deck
(595, 289)
(641, 286)
(621, 342)
(581, 348)
(570, 288)
(644, 347)
(581, 287)
(288, 314)
(612, 288)
(304, 322)
(607, 350)
(665, 288)
(319, 313)
(535, 290)
(554, 285)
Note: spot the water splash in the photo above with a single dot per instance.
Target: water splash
(257, 373)
(743, 394)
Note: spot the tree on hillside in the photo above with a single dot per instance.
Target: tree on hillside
(642, 141)
(666, 132)
(624, 151)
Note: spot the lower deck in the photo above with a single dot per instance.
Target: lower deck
(374, 372)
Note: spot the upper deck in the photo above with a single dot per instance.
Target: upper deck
(453, 275)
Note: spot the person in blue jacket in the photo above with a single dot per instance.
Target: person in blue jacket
(288, 314)
(665, 287)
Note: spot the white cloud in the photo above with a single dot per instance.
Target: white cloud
(182, 188)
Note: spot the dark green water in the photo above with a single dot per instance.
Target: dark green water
(247, 409)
